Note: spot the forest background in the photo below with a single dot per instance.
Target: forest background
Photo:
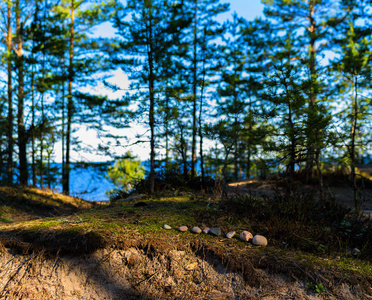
(286, 93)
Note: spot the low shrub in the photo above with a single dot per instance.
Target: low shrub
(302, 221)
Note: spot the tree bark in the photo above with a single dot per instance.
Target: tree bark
(352, 146)
(195, 83)
(10, 96)
(150, 53)
(66, 183)
(200, 127)
(22, 136)
(313, 150)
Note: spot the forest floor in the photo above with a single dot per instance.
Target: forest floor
(342, 191)
(59, 247)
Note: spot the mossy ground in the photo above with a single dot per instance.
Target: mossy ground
(40, 221)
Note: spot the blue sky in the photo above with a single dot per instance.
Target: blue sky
(249, 9)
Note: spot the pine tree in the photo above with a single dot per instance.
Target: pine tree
(354, 68)
(314, 21)
(146, 39)
(233, 86)
(81, 15)
(285, 91)
(204, 30)
(22, 135)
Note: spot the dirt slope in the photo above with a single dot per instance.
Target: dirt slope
(64, 248)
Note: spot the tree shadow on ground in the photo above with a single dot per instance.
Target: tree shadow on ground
(69, 258)
(33, 203)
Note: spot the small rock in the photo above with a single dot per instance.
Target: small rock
(353, 252)
(206, 230)
(230, 234)
(196, 230)
(246, 236)
(216, 231)
(183, 228)
(259, 240)
(165, 226)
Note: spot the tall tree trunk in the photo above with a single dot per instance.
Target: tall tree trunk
(201, 126)
(42, 106)
(194, 89)
(48, 172)
(313, 149)
(63, 131)
(33, 164)
(22, 136)
(10, 96)
(167, 113)
(41, 167)
(292, 150)
(66, 183)
(352, 146)
(150, 53)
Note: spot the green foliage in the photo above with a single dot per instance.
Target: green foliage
(125, 173)
(318, 288)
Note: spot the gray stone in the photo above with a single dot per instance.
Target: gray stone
(353, 252)
(230, 234)
(216, 231)
(183, 228)
(246, 236)
(196, 230)
(259, 240)
(165, 226)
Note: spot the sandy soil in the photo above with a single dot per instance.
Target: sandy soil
(179, 271)
(132, 274)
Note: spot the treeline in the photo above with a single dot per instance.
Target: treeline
(292, 88)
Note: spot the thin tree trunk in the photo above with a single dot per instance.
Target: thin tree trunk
(183, 150)
(42, 106)
(236, 153)
(152, 106)
(311, 147)
(33, 126)
(10, 97)
(22, 137)
(167, 129)
(48, 171)
(352, 146)
(292, 150)
(200, 126)
(41, 167)
(194, 127)
(66, 186)
(63, 133)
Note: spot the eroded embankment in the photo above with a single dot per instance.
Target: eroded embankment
(159, 270)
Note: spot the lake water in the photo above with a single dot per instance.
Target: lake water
(87, 181)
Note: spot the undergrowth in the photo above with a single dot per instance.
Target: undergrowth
(301, 221)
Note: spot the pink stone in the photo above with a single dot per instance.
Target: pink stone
(246, 236)
(183, 228)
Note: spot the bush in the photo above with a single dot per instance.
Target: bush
(302, 222)
(171, 178)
